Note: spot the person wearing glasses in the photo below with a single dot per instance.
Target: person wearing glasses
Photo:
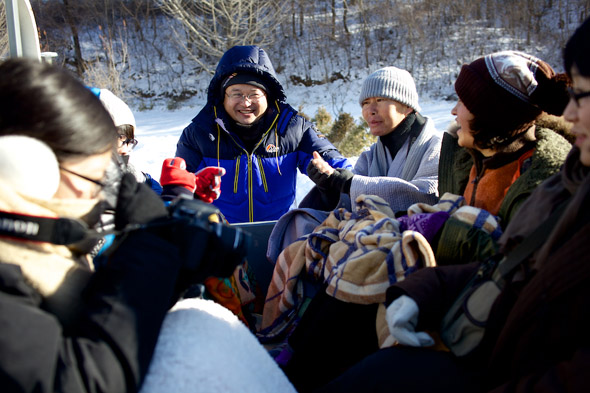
(534, 337)
(247, 128)
(67, 326)
(125, 122)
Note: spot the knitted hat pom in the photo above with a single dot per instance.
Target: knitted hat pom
(551, 94)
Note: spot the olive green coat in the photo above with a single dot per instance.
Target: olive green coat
(461, 243)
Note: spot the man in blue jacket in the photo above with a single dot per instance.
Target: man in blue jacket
(248, 128)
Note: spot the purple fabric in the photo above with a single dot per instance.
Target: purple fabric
(428, 224)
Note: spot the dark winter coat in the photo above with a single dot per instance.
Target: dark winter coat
(455, 165)
(109, 347)
(259, 185)
(537, 333)
(66, 328)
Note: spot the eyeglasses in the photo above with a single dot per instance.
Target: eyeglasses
(101, 184)
(577, 96)
(131, 142)
(238, 97)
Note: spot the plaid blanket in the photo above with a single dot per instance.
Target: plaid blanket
(357, 254)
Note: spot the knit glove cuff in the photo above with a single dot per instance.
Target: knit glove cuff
(339, 180)
(174, 173)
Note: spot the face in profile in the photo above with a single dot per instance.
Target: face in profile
(246, 104)
(463, 119)
(383, 115)
(125, 145)
(577, 111)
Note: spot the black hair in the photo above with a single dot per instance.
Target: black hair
(49, 103)
(495, 135)
(126, 130)
(577, 50)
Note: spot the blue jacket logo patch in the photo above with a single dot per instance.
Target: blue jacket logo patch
(270, 148)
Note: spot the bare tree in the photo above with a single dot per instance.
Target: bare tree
(213, 26)
(3, 31)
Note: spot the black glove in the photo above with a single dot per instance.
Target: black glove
(137, 203)
(338, 181)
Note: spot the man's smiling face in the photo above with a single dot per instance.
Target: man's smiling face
(245, 103)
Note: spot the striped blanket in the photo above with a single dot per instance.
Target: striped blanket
(357, 255)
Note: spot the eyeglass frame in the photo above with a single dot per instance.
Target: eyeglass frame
(127, 141)
(101, 184)
(577, 96)
(242, 97)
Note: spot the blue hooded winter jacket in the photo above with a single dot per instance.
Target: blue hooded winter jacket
(258, 185)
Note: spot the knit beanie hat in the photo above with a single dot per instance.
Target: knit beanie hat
(243, 79)
(511, 88)
(119, 111)
(393, 83)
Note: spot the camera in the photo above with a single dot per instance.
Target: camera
(208, 246)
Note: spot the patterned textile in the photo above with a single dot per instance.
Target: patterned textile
(453, 204)
(239, 293)
(357, 254)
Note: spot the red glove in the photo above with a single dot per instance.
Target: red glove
(209, 183)
(174, 173)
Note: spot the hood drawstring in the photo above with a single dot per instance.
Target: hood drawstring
(277, 140)
(218, 122)
(277, 151)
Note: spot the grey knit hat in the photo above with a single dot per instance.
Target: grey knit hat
(391, 82)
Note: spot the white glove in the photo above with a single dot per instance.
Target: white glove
(401, 317)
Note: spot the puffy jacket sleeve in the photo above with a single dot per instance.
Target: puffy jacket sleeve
(188, 147)
(108, 349)
(461, 243)
(311, 141)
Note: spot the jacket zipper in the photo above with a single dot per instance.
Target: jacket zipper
(262, 174)
(475, 183)
(250, 187)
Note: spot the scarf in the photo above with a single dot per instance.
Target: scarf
(389, 145)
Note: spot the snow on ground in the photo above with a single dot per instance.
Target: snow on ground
(158, 131)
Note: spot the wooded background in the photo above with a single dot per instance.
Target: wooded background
(312, 41)
(150, 51)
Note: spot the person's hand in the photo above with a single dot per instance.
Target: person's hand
(208, 181)
(174, 173)
(320, 164)
(326, 178)
(137, 203)
(401, 317)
